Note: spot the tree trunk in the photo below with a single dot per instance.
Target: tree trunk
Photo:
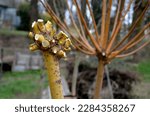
(109, 82)
(99, 79)
(52, 66)
(75, 74)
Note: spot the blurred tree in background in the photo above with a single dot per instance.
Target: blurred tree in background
(59, 7)
(138, 9)
(33, 11)
(28, 12)
(23, 12)
(97, 8)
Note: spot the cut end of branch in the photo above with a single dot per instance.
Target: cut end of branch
(56, 44)
(40, 20)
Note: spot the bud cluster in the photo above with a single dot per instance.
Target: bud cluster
(46, 39)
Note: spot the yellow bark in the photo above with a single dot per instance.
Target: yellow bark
(53, 46)
(52, 66)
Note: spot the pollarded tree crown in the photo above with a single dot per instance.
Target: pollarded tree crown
(46, 39)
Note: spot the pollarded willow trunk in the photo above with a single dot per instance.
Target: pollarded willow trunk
(53, 46)
(99, 79)
(52, 66)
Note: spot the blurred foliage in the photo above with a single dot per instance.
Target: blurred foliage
(143, 87)
(46, 17)
(144, 69)
(97, 7)
(23, 12)
(59, 7)
(6, 32)
(21, 85)
(34, 15)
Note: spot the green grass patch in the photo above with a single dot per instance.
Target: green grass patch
(7, 32)
(20, 85)
(144, 69)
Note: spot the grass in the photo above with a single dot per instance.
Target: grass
(7, 32)
(28, 84)
(21, 85)
(141, 90)
(144, 69)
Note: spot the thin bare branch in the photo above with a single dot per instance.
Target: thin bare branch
(78, 43)
(112, 39)
(102, 39)
(127, 54)
(131, 30)
(134, 39)
(85, 51)
(86, 28)
(138, 41)
(107, 23)
(93, 20)
(63, 27)
(81, 27)
(77, 29)
(117, 16)
(55, 7)
(52, 14)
